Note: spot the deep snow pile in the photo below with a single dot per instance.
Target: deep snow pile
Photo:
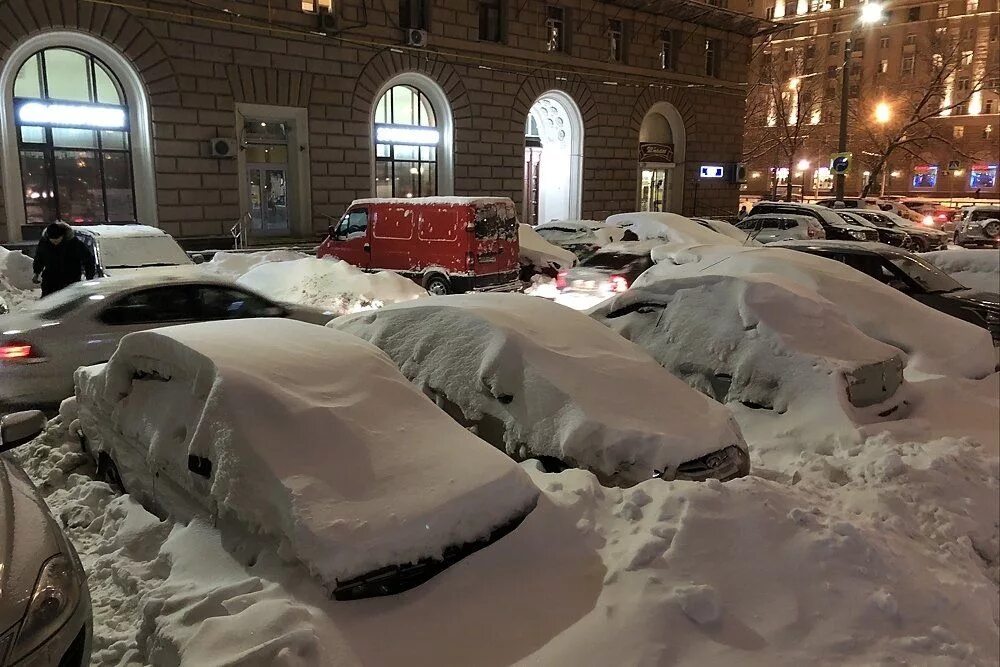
(978, 269)
(15, 279)
(880, 551)
(234, 264)
(762, 341)
(935, 343)
(562, 384)
(330, 284)
(292, 418)
(536, 251)
(669, 227)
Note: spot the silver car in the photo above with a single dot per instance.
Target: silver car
(979, 227)
(45, 614)
(772, 227)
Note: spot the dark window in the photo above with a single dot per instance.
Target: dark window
(413, 14)
(811, 51)
(913, 13)
(152, 306)
(615, 261)
(883, 42)
(713, 57)
(225, 303)
(668, 53)
(835, 26)
(834, 48)
(555, 29)
(831, 71)
(942, 10)
(769, 13)
(616, 41)
(491, 21)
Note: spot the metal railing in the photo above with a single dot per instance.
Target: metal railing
(241, 232)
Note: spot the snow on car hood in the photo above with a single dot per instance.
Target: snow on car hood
(314, 438)
(935, 343)
(540, 252)
(562, 383)
(670, 227)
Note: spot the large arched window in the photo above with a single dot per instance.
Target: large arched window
(72, 124)
(407, 140)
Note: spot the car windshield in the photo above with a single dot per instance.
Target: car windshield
(120, 252)
(925, 275)
(984, 214)
(611, 260)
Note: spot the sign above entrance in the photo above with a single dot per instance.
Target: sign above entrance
(650, 152)
(73, 115)
(712, 171)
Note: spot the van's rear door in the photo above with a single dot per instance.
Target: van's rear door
(495, 245)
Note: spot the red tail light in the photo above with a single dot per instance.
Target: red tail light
(618, 283)
(561, 280)
(17, 351)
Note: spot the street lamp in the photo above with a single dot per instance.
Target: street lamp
(871, 12)
(882, 112)
(802, 166)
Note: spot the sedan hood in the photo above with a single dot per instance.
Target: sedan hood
(26, 541)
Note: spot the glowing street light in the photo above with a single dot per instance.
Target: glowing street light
(871, 13)
(882, 113)
(793, 83)
(803, 165)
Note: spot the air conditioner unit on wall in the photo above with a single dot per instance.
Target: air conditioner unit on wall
(416, 37)
(739, 172)
(221, 147)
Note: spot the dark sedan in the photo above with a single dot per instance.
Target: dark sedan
(886, 235)
(922, 237)
(914, 276)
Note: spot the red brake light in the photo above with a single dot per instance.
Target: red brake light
(16, 351)
(618, 283)
(561, 280)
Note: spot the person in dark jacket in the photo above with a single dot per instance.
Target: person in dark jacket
(61, 258)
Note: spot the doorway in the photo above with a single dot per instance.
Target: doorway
(553, 159)
(532, 180)
(267, 177)
(654, 186)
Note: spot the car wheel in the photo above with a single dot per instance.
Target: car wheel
(437, 285)
(107, 472)
(992, 229)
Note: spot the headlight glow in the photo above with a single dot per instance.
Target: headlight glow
(56, 595)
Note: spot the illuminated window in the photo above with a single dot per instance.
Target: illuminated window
(883, 43)
(883, 66)
(941, 32)
(312, 6)
(925, 177)
(958, 131)
(942, 10)
(73, 140)
(983, 176)
(555, 27)
(971, 6)
(407, 140)
(966, 58)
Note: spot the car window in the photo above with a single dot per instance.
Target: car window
(157, 305)
(788, 223)
(748, 223)
(225, 303)
(615, 261)
(926, 275)
(984, 214)
(357, 223)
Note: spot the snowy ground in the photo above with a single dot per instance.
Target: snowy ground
(978, 269)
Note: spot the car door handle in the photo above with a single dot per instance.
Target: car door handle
(368, 247)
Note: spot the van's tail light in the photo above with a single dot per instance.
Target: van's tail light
(618, 283)
(18, 351)
(561, 280)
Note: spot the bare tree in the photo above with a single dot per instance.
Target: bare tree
(906, 119)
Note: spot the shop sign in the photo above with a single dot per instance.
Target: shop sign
(651, 152)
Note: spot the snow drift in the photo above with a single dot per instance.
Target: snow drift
(537, 252)
(978, 269)
(329, 284)
(312, 437)
(232, 265)
(15, 279)
(562, 385)
(935, 343)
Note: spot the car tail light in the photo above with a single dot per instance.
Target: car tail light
(618, 283)
(561, 280)
(17, 351)
(929, 221)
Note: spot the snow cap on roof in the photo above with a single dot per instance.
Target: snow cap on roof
(435, 201)
(119, 231)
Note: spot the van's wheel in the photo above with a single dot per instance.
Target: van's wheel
(437, 285)
(107, 472)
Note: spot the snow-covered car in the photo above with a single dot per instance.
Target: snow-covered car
(301, 435)
(126, 250)
(769, 228)
(610, 270)
(45, 613)
(45, 341)
(979, 226)
(538, 256)
(668, 228)
(727, 229)
(760, 341)
(538, 380)
(581, 237)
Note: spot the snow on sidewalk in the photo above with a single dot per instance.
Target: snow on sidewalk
(878, 550)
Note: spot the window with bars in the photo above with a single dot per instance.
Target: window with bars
(405, 145)
(73, 140)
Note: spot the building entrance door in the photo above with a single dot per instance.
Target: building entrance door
(268, 188)
(532, 169)
(653, 188)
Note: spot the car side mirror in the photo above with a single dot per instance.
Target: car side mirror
(331, 230)
(19, 428)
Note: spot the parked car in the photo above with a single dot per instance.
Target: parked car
(915, 277)
(327, 450)
(891, 206)
(846, 202)
(538, 380)
(768, 228)
(610, 270)
(539, 257)
(886, 234)
(581, 237)
(125, 250)
(45, 341)
(922, 237)
(727, 229)
(45, 613)
(834, 226)
(445, 244)
(978, 226)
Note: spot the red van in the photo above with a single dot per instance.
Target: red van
(447, 244)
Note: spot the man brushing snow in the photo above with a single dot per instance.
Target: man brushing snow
(61, 258)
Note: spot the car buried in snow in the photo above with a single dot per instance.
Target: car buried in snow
(303, 435)
(45, 613)
(540, 381)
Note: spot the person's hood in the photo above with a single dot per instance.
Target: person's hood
(27, 539)
(68, 232)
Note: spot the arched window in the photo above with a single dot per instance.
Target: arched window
(407, 141)
(72, 125)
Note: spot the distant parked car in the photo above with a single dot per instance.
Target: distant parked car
(538, 256)
(979, 226)
(888, 235)
(45, 341)
(915, 277)
(846, 202)
(45, 613)
(610, 270)
(581, 237)
(771, 227)
(128, 250)
(445, 244)
(538, 380)
(922, 237)
(305, 436)
(834, 226)
(727, 229)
